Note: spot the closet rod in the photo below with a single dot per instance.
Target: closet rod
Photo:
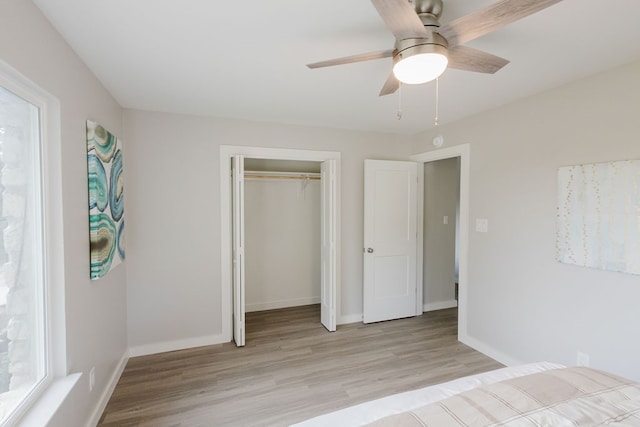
(282, 175)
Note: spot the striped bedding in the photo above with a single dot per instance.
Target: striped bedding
(556, 397)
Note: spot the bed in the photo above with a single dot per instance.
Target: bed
(539, 394)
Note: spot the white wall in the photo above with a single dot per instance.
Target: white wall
(441, 194)
(173, 217)
(95, 311)
(523, 304)
(282, 243)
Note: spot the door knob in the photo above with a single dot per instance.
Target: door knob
(370, 250)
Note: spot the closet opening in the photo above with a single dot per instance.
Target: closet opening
(279, 234)
(282, 214)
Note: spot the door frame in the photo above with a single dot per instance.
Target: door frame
(464, 152)
(226, 259)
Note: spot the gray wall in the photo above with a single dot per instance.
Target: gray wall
(441, 195)
(282, 243)
(95, 311)
(173, 259)
(523, 305)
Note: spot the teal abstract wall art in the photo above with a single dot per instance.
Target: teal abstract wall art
(106, 200)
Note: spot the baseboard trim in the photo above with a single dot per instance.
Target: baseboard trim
(350, 318)
(108, 391)
(163, 347)
(490, 351)
(433, 306)
(281, 304)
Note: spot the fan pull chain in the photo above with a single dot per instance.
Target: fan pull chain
(436, 118)
(399, 114)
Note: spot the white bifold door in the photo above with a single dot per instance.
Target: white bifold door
(328, 251)
(390, 240)
(237, 194)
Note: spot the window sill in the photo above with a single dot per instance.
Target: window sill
(50, 401)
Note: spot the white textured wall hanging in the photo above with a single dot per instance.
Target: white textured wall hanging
(599, 216)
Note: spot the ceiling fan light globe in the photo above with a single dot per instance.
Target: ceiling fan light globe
(420, 68)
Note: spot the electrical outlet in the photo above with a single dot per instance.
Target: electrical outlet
(92, 378)
(582, 359)
(445, 220)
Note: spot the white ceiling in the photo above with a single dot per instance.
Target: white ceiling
(247, 60)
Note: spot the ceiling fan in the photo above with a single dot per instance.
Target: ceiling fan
(424, 48)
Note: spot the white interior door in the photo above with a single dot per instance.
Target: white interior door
(390, 240)
(237, 192)
(328, 250)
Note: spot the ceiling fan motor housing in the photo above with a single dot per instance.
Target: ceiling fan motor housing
(429, 12)
(433, 43)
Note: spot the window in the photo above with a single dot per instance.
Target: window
(24, 350)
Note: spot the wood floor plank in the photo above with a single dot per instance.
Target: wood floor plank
(291, 369)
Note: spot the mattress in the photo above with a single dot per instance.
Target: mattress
(576, 396)
(374, 410)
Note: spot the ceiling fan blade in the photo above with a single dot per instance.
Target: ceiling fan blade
(491, 18)
(353, 58)
(469, 59)
(390, 86)
(400, 18)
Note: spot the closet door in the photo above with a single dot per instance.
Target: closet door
(237, 192)
(328, 250)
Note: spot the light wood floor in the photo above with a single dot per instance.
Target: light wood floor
(291, 369)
